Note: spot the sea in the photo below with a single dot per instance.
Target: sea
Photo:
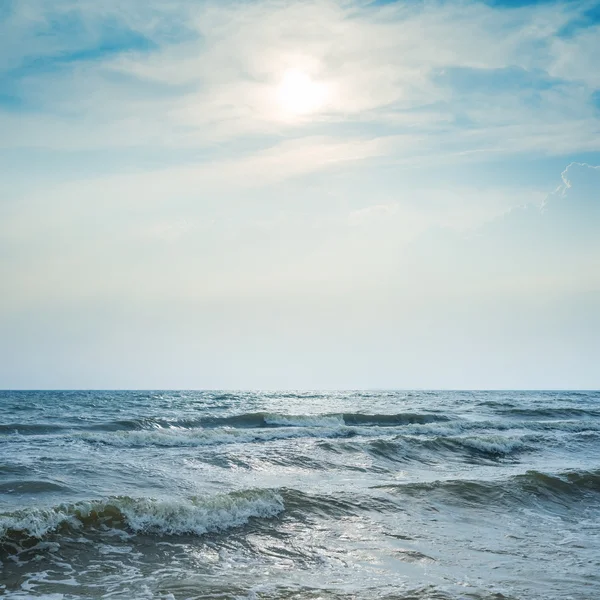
(413, 495)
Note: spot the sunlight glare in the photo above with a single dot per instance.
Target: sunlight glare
(298, 94)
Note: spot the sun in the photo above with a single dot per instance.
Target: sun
(298, 94)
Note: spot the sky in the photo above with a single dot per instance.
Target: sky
(217, 194)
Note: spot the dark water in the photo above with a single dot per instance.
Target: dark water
(413, 495)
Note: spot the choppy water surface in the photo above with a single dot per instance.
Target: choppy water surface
(397, 495)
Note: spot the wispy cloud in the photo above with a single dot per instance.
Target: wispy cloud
(194, 76)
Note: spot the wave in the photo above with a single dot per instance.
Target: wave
(12, 468)
(256, 420)
(178, 437)
(455, 427)
(562, 488)
(568, 426)
(196, 516)
(559, 412)
(262, 427)
(30, 487)
(301, 505)
(492, 446)
(192, 438)
(304, 421)
(416, 442)
(383, 420)
(248, 428)
(219, 513)
(564, 484)
(407, 448)
(266, 420)
(30, 428)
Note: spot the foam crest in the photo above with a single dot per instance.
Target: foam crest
(200, 516)
(305, 420)
(268, 420)
(145, 515)
(494, 445)
(209, 437)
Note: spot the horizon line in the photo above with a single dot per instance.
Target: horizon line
(304, 390)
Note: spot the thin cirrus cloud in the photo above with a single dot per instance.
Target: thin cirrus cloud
(130, 82)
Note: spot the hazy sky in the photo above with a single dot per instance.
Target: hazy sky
(216, 194)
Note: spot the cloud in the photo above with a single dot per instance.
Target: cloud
(199, 76)
(550, 248)
(581, 173)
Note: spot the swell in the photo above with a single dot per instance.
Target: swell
(30, 487)
(305, 506)
(526, 489)
(488, 446)
(559, 412)
(260, 420)
(249, 428)
(407, 442)
(408, 449)
(473, 448)
(570, 420)
(219, 513)
(29, 428)
(383, 420)
(195, 515)
(216, 514)
(188, 516)
(174, 438)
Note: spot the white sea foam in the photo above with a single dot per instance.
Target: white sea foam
(37, 522)
(193, 515)
(305, 420)
(493, 444)
(210, 437)
(436, 429)
(200, 516)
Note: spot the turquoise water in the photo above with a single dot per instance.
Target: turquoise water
(414, 495)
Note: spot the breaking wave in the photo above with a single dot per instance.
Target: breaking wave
(259, 420)
(196, 516)
(493, 445)
(214, 514)
(208, 437)
(407, 448)
(248, 428)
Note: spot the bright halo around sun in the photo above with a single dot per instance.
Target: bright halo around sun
(299, 95)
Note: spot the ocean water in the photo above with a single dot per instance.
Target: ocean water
(342, 495)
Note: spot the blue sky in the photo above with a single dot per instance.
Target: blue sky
(299, 194)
